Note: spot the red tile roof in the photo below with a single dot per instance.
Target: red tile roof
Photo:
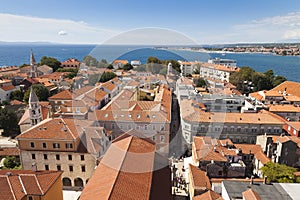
(57, 128)
(199, 178)
(63, 95)
(9, 152)
(209, 195)
(127, 172)
(251, 195)
(8, 88)
(16, 184)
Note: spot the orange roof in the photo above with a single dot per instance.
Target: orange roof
(63, 95)
(284, 108)
(8, 87)
(254, 149)
(124, 62)
(17, 184)
(16, 102)
(9, 151)
(191, 113)
(251, 195)
(204, 147)
(71, 61)
(273, 93)
(108, 85)
(209, 195)
(290, 88)
(199, 178)
(119, 177)
(220, 67)
(57, 128)
(295, 125)
(291, 98)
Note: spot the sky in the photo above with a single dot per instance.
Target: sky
(171, 21)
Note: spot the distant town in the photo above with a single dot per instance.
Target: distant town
(168, 129)
(285, 49)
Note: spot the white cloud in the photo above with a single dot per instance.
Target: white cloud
(62, 33)
(28, 28)
(272, 29)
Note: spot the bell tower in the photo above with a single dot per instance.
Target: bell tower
(35, 110)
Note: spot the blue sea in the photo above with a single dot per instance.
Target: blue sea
(18, 54)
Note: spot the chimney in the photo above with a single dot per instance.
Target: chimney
(251, 180)
(34, 167)
(64, 128)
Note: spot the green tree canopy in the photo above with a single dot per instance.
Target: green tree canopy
(17, 95)
(90, 61)
(280, 173)
(152, 59)
(51, 62)
(10, 162)
(106, 76)
(110, 66)
(9, 122)
(41, 92)
(201, 82)
(247, 78)
(127, 67)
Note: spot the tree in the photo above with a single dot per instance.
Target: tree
(163, 71)
(152, 59)
(278, 80)
(17, 95)
(90, 61)
(93, 79)
(175, 64)
(106, 76)
(51, 62)
(41, 92)
(110, 66)
(201, 82)
(9, 122)
(127, 67)
(10, 162)
(280, 173)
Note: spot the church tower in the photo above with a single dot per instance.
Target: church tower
(33, 66)
(35, 110)
(169, 72)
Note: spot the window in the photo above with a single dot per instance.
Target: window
(30, 198)
(69, 145)
(81, 157)
(70, 157)
(153, 127)
(44, 145)
(112, 126)
(58, 167)
(57, 157)
(46, 167)
(33, 156)
(32, 144)
(162, 138)
(162, 127)
(45, 157)
(56, 145)
(70, 168)
(239, 129)
(146, 127)
(129, 126)
(83, 168)
(154, 138)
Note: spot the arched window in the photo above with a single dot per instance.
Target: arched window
(66, 182)
(78, 182)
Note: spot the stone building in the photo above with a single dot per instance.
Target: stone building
(65, 145)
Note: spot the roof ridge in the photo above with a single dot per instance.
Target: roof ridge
(11, 189)
(38, 183)
(64, 122)
(119, 171)
(23, 187)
